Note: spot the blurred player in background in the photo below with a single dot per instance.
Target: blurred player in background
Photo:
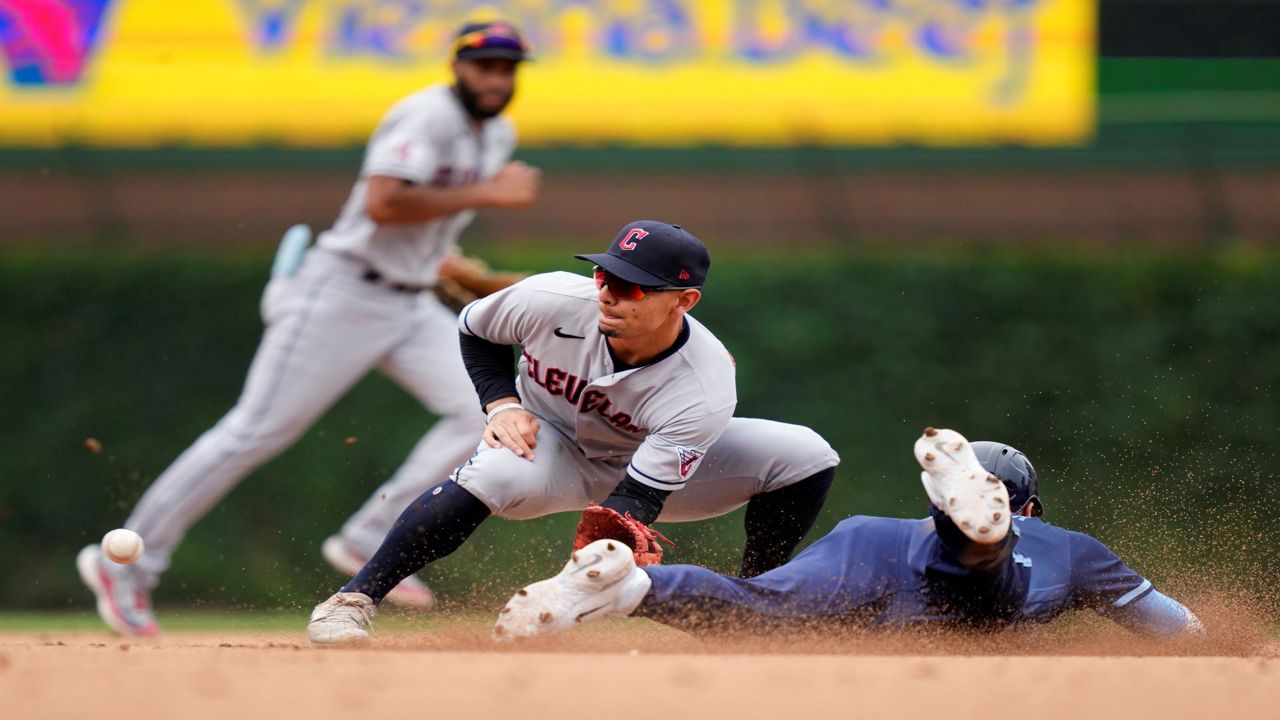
(983, 560)
(621, 398)
(360, 299)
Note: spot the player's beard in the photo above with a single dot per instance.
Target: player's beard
(470, 100)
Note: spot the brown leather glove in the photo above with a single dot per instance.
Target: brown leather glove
(464, 279)
(599, 523)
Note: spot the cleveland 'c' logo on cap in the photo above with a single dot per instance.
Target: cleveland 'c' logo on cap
(629, 242)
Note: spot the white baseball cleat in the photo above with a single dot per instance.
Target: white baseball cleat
(600, 580)
(343, 619)
(959, 486)
(410, 593)
(124, 600)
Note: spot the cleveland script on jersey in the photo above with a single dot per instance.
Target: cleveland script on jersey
(663, 415)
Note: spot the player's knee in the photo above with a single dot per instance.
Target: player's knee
(498, 493)
(238, 435)
(804, 448)
(497, 481)
(796, 453)
(810, 444)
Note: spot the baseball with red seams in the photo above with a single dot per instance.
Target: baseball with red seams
(122, 546)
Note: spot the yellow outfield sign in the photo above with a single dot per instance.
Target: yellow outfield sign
(648, 72)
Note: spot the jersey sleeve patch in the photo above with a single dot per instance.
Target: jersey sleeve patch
(688, 458)
(401, 155)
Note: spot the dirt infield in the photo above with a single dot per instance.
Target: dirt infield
(632, 669)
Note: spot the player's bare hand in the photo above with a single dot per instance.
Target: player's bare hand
(515, 186)
(514, 429)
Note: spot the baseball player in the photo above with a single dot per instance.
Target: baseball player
(622, 399)
(973, 563)
(357, 300)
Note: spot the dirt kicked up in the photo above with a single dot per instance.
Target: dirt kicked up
(638, 669)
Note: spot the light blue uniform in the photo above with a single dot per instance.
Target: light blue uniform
(886, 572)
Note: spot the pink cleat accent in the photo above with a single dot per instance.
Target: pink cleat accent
(124, 602)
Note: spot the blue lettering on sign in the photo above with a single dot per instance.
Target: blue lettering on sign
(271, 23)
(862, 32)
(947, 32)
(663, 30)
(849, 29)
(381, 28)
(856, 29)
(650, 30)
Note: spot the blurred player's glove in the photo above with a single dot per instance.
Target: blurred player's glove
(464, 279)
(599, 523)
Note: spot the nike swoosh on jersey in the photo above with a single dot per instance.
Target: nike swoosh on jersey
(558, 333)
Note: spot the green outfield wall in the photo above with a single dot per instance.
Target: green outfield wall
(1141, 385)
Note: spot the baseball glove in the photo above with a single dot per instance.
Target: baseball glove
(464, 279)
(599, 523)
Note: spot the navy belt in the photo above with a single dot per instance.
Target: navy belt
(373, 276)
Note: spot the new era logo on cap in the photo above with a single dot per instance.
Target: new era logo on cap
(655, 254)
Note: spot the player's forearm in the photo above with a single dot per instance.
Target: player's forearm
(1157, 615)
(492, 370)
(402, 202)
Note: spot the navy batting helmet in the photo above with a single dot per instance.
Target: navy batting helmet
(1014, 470)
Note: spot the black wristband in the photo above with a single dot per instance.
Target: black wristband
(491, 367)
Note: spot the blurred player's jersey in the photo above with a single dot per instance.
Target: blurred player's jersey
(877, 571)
(426, 139)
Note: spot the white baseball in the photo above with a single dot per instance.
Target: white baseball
(122, 546)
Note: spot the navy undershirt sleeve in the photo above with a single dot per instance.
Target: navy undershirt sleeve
(491, 367)
(632, 496)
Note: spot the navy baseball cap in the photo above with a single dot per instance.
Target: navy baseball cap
(655, 254)
(497, 39)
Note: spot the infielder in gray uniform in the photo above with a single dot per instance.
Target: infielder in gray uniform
(356, 301)
(621, 398)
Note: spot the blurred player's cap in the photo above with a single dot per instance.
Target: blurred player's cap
(655, 254)
(1014, 470)
(497, 39)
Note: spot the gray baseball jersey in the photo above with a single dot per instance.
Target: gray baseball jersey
(664, 416)
(427, 138)
(327, 327)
